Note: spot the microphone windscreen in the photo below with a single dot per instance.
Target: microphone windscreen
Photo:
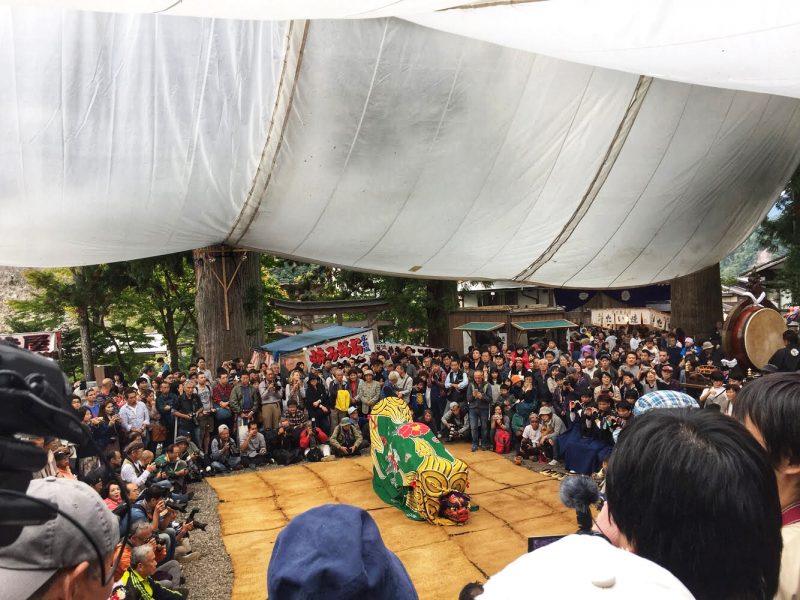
(579, 492)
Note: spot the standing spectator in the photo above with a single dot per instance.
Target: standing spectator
(455, 384)
(404, 383)
(134, 416)
(165, 401)
(271, 393)
(479, 401)
(91, 402)
(201, 368)
(245, 398)
(205, 412)
(184, 408)
(715, 393)
(318, 403)
(370, 392)
(221, 396)
(340, 396)
(389, 389)
(769, 407)
(296, 389)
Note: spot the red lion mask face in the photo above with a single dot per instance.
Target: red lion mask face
(455, 506)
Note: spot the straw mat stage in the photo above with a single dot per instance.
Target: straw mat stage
(514, 503)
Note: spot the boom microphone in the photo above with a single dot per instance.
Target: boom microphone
(580, 492)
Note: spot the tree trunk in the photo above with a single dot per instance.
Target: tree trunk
(697, 302)
(171, 338)
(86, 343)
(441, 300)
(218, 338)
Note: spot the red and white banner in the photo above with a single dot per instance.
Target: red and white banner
(356, 346)
(43, 342)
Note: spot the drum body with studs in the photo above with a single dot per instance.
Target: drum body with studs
(753, 334)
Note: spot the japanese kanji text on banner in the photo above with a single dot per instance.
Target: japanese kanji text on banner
(357, 346)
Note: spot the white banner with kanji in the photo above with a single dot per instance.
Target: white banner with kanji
(356, 346)
(609, 317)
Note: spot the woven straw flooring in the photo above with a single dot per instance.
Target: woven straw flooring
(514, 503)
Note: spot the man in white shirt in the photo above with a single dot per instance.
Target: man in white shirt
(134, 416)
(132, 470)
(404, 383)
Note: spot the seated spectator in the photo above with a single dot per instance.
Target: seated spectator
(455, 425)
(170, 466)
(54, 560)
(500, 429)
(721, 494)
(225, 454)
(769, 407)
(346, 439)
(112, 496)
(430, 421)
(281, 445)
(588, 442)
(192, 456)
(614, 573)
(137, 581)
(313, 442)
(253, 447)
(311, 559)
(295, 418)
(531, 443)
(552, 426)
(133, 471)
(141, 533)
(63, 469)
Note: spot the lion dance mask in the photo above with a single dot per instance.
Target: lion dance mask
(412, 470)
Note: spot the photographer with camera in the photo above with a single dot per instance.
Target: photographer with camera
(132, 470)
(171, 467)
(224, 452)
(253, 447)
(455, 425)
(141, 533)
(479, 401)
(313, 442)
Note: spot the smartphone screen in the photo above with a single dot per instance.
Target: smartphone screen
(540, 541)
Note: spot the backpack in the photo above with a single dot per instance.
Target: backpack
(502, 442)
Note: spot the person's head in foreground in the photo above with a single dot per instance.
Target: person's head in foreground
(604, 571)
(684, 485)
(55, 561)
(769, 408)
(335, 551)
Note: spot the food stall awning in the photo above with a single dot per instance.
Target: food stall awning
(479, 326)
(535, 325)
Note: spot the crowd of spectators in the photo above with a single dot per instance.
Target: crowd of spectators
(544, 402)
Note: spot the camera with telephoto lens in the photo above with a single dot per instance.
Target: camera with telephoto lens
(197, 524)
(175, 505)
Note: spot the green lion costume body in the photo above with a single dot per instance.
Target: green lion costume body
(411, 468)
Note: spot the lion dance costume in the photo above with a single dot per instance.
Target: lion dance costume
(412, 470)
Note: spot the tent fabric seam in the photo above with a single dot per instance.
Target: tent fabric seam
(253, 203)
(604, 170)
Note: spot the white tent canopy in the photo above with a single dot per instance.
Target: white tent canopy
(386, 146)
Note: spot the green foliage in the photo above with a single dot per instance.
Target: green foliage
(781, 234)
(741, 259)
(413, 304)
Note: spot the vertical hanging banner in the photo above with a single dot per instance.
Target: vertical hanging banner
(356, 346)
